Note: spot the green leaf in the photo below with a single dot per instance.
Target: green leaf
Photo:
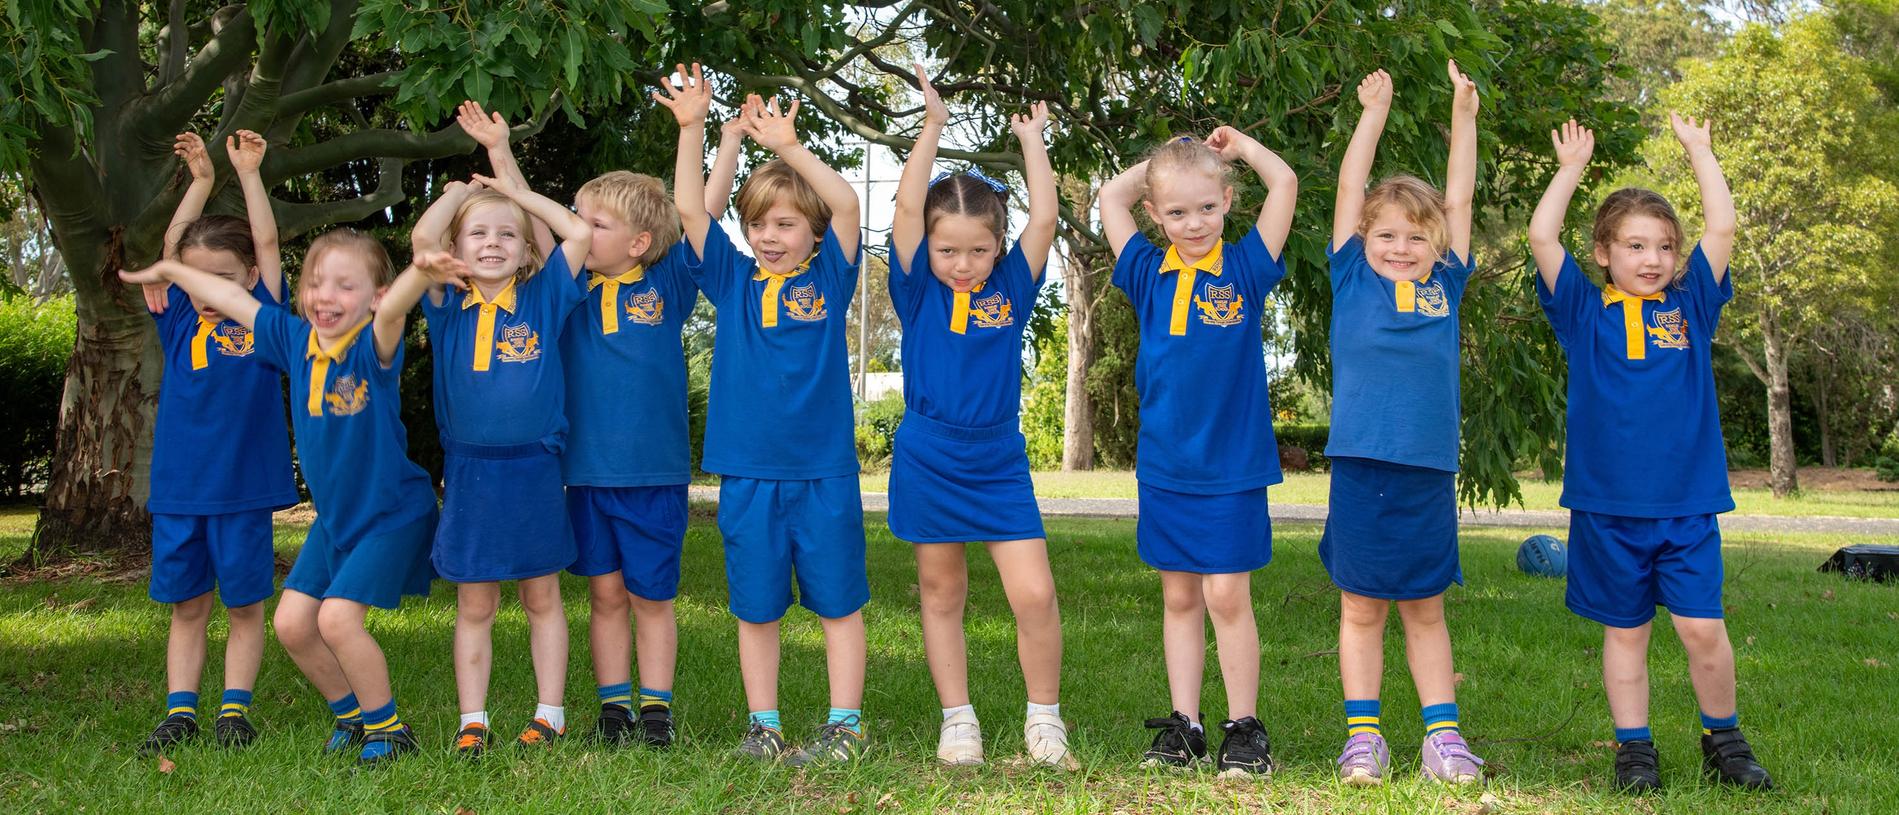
(1450, 28)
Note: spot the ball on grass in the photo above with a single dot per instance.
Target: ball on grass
(1543, 556)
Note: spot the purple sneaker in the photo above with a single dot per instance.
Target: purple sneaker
(1448, 759)
(1364, 761)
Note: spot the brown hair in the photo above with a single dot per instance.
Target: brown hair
(220, 233)
(962, 194)
(1417, 200)
(1184, 153)
(482, 198)
(774, 181)
(641, 201)
(370, 251)
(1635, 201)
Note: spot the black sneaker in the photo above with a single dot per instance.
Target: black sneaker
(1178, 744)
(344, 737)
(384, 746)
(656, 726)
(174, 729)
(1637, 768)
(1727, 758)
(1246, 750)
(234, 730)
(615, 726)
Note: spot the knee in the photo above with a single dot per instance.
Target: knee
(1363, 612)
(1229, 599)
(942, 593)
(251, 615)
(1183, 600)
(1702, 638)
(650, 609)
(476, 608)
(337, 622)
(1034, 599)
(195, 611)
(295, 630)
(606, 601)
(1422, 613)
(541, 597)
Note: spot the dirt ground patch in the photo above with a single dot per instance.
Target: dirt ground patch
(1821, 479)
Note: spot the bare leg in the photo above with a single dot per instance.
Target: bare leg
(357, 653)
(297, 628)
(1030, 587)
(1362, 644)
(845, 652)
(547, 636)
(1229, 600)
(1710, 663)
(244, 651)
(1625, 674)
(1427, 647)
(1183, 639)
(658, 641)
(609, 631)
(758, 664)
(474, 647)
(943, 583)
(185, 647)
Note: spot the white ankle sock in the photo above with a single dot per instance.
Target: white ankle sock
(479, 717)
(952, 711)
(1052, 710)
(556, 717)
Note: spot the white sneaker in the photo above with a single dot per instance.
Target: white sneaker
(959, 744)
(1047, 741)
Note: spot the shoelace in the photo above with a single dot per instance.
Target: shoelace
(1173, 735)
(1448, 749)
(1359, 748)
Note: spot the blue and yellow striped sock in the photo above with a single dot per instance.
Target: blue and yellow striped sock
(1624, 735)
(346, 710)
(1439, 718)
(1709, 724)
(237, 702)
(1361, 716)
(651, 696)
(850, 717)
(619, 695)
(181, 703)
(380, 720)
(767, 718)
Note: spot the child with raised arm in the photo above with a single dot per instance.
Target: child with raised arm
(960, 469)
(1400, 259)
(220, 451)
(499, 394)
(1206, 451)
(369, 545)
(1641, 384)
(779, 427)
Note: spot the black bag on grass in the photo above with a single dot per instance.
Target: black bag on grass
(1865, 560)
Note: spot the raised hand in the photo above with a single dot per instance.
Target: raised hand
(501, 184)
(934, 111)
(1031, 124)
(735, 127)
(1374, 91)
(1229, 142)
(1690, 133)
(772, 130)
(487, 129)
(443, 268)
(1574, 144)
(246, 150)
(150, 275)
(690, 103)
(190, 149)
(1463, 92)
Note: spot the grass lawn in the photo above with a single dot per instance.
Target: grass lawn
(1311, 488)
(81, 683)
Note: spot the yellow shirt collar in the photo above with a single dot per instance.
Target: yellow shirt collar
(761, 274)
(336, 352)
(1210, 263)
(1612, 295)
(504, 300)
(630, 276)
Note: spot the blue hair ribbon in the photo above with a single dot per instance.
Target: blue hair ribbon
(975, 173)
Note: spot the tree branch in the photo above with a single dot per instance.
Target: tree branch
(174, 103)
(176, 37)
(315, 56)
(295, 104)
(296, 219)
(383, 143)
(118, 78)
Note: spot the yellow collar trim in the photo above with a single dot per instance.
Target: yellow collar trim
(504, 300)
(1634, 334)
(610, 297)
(768, 302)
(1212, 264)
(959, 308)
(320, 360)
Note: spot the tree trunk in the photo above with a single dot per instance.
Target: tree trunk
(1781, 475)
(1078, 408)
(1822, 406)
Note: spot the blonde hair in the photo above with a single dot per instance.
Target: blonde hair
(482, 198)
(1631, 201)
(775, 181)
(1184, 154)
(641, 201)
(1418, 201)
(382, 271)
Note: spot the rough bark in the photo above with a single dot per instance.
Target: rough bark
(1782, 476)
(1078, 409)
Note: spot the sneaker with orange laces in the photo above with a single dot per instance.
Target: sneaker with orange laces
(472, 740)
(539, 734)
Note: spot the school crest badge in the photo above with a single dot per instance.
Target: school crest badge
(994, 311)
(646, 308)
(1220, 306)
(1431, 300)
(805, 304)
(348, 395)
(519, 343)
(1668, 329)
(233, 340)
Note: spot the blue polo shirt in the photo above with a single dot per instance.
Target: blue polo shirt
(220, 444)
(1206, 422)
(498, 376)
(351, 444)
(1394, 361)
(780, 406)
(962, 353)
(1644, 432)
(626, 377)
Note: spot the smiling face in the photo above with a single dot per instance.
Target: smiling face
(491, 237)
(1398, 248)
(780, 237)
(1190, 208)
(963, 251)
(336, 292)
(1642, 256)
(221, 263)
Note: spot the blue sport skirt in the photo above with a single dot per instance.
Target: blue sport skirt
(1204, 534)
(1391, 530)
(952, 484)
(504, 516)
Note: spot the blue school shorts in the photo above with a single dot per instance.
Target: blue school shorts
(376, 571)
(191, 553)
(775, 530)
(951, 484)
(1391, 529)
(636, 531)
(504, 513)
(1620, 568)
(1203, 534)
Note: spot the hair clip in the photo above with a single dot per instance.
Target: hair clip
(1185, 140)
(976, 173)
